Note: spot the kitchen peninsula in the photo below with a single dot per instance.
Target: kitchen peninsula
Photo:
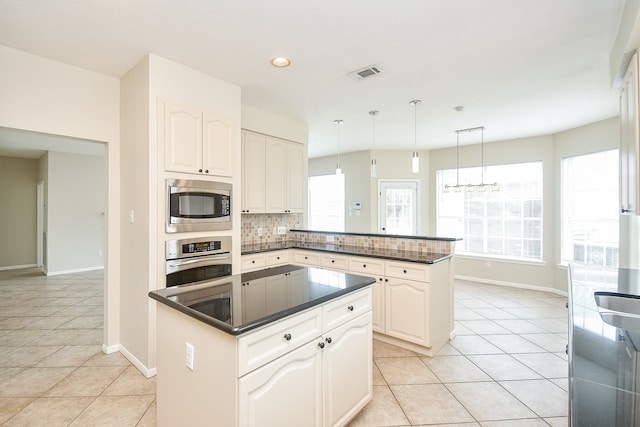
(252, 341)
(413, 294)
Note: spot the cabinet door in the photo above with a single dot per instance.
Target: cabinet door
(217, 145)
(276, 175)
(254, 298)
(253, 173)
(406, 310)
(285, 392)
(182, 139)
(377, 305)
(295, 178)
(347, 363)
(629, 139)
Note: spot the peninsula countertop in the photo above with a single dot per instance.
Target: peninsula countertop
(243, 302)
(391, 254)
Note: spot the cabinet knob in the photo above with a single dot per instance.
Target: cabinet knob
(328, 340)
(306, 257)
(206, 171)
(364, 265)
(253, 262)
(333, 260)
(404, 271)
(247, 211)
(287, 337)
(350, 308)
(380, 279)
(277, 257)
(386, 280)
(200, 170)
(321, 344)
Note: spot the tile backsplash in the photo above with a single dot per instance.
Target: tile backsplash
(268, 224)
(252, 224)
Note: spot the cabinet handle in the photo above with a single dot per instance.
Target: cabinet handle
(321, 344)
(380, 279)
(364, 265)
(287, 337)
(206, 171)
(328, 340)
(247, 211)
(305, 257)
(253, 262)
(200, 170)
(332, 261)
(277, 257)
(350, 308)
(623, 210)
(404, 271)
(386, 280)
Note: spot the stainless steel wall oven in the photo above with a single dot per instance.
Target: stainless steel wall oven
(196, 260)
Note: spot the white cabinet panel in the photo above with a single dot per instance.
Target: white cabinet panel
(285, 392)
(253, 172)
(407, 310)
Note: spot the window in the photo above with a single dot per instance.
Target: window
(326, 202)
(505, 223)
(590, 208)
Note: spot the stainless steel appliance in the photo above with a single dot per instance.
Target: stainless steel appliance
(196, 260)
(194, 205)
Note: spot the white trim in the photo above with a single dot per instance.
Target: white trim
(498, 258)
(17, 267)
(131, 358)
(77, 270)
(511, 284)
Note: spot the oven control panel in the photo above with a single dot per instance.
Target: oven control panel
(185, 248)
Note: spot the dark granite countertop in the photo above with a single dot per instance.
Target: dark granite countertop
(392, 254)
(242, 302)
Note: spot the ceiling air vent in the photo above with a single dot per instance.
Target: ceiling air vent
(365, 72)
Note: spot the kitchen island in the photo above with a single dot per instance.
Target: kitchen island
(234, 351)
(412, 299)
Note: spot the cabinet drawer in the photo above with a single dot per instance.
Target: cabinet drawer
(339, 262)
(252, 262)
(266, 344)
(306, 258)
(346, 308)
(407, 270)
(369, 266)
(277, 258)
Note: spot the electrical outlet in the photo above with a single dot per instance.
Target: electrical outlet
(131, 216)
(259, 231)
(282, 229)
(190, 353)
(99, 253)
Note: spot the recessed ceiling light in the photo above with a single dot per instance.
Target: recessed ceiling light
(280, 62)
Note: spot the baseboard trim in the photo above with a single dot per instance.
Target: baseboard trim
(17, 267)
(75, 270)
(131, 358)
(511, 284)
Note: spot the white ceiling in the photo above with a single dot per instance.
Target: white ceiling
(519, 67)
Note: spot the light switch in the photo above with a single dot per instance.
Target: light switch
(190, 353)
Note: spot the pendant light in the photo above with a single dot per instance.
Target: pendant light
(338, 167)
(415, 160)
(374, 165)
(471, 187)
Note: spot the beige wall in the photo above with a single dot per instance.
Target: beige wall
(359, 186)
(47, 96)
(18, 212)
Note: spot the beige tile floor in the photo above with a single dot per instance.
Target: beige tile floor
(506, 367)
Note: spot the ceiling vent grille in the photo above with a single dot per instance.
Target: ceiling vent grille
(370, 71)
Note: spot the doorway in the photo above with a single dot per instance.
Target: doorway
(398, 207)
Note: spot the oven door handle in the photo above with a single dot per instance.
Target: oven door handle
(201, 259)
(178, 265)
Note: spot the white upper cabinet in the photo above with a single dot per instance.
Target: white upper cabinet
(197, 142)
(278, 168)
(629, 139)
(253, 171)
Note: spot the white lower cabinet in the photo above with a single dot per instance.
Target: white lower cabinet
(285, 392)
(406, 310)
(322, 383)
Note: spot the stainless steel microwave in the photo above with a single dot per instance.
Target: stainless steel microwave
(198, 205)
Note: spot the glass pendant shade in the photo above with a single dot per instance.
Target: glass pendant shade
(374, 168)
(338, 169)
(415, 163)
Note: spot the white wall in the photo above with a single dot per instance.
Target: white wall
(76, 208)
(47, 96)
(265, 122)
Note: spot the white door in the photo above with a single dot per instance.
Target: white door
(398, 207)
